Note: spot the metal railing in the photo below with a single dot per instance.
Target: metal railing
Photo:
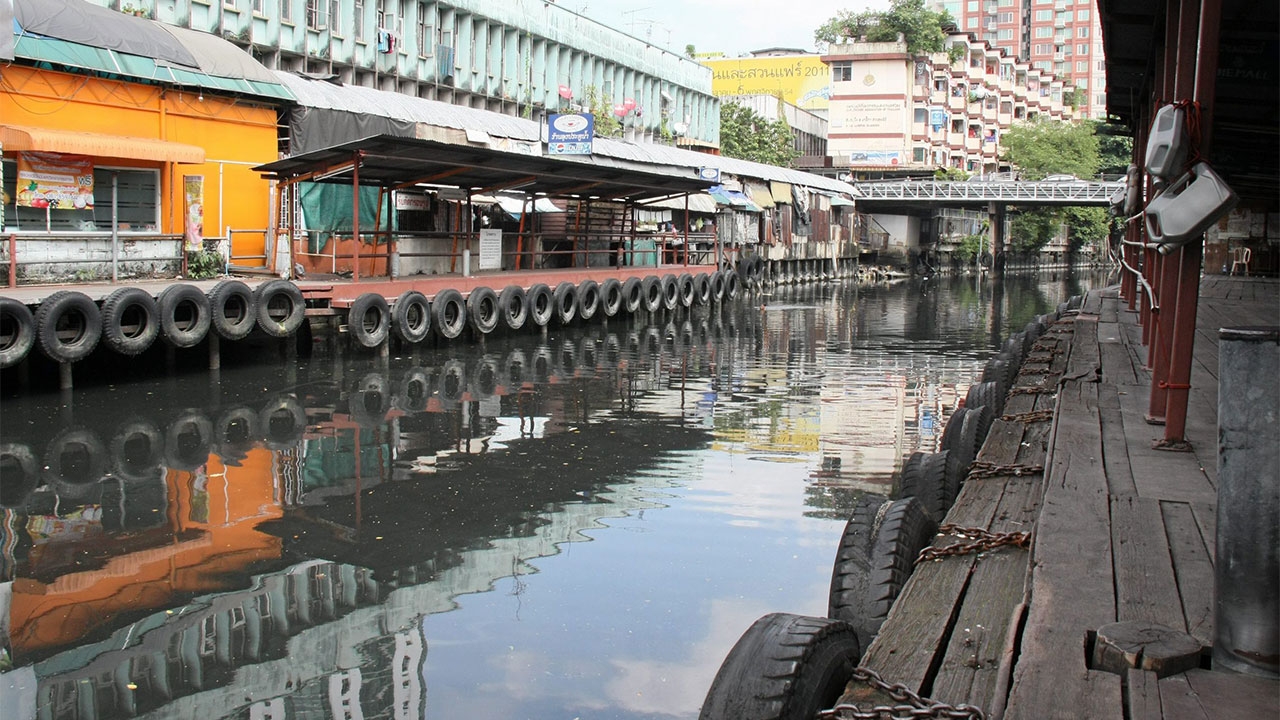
(107, 255)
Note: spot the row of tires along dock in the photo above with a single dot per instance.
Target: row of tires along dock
(68, 325)
(789, 666)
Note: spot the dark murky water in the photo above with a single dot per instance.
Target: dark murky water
(576, 524)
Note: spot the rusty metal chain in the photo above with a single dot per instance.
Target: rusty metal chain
(1029, 417)
(1024, 370)
(980, 470)
(911, 706)
(986, 540)
(1034, 390)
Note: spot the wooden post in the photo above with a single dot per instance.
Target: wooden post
(355, 218)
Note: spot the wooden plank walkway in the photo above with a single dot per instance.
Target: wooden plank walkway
(1122, 532)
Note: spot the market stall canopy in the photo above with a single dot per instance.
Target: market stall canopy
(733, 199)
(400, 162)
(514, 206)
(697, 202)
(21, 137)
(77, 34)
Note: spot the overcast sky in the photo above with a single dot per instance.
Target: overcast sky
(734, 27)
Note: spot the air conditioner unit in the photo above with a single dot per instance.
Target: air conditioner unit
(1188, 207)
(1168, 144)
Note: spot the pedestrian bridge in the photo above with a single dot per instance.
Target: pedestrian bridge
(981, 193)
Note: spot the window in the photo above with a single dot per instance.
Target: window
(972, 22)
(1082, 32)
(315, 15)
(1044, 31)
(842, 71)
(921, 115)
(1100, 100)
(1082, 49)
(1082, 14)
(357, 24)
(1043, 49)
(957, 126)
(1101, 66)
(286, 11)
(138, 203)
(1043, 15)
(972, 6)
(426, 31)
(940, 84)
(335, 17)
(1004, 17)
(1082, 67)
(1004, 35)
(259, 7)
(920, 154)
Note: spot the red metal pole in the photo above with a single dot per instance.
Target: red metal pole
(13, 261)
(355, 216)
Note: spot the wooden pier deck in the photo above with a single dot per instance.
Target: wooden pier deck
(1120, 532)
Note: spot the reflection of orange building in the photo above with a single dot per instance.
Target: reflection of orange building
(210, 536)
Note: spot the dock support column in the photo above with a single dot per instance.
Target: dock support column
(1246, 567)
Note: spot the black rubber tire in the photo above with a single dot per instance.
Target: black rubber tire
(717, 287)
(188, 441)
(610, 297)
(632, 295)
(483, 311)
(370, 400)
(137, 450)
(670, 292)
(449, 313)
(951, 430)
(876, 556)
(986, 394)
(130, 321)
(925, 479)
(541, 304)
(68, 326)
(977, 423)
(235, 432)
(411, 317)
(232, 310)
(369, 320)
(997, 371)
(514, 304)
(282, 422)
(732, 285)
(565, 302)
(701, 289)
(185, 315)
(588, 299)
(19, 474)
(414, 391)
(684, 284)
(784, 667)
(74, 461)
(280, 307)
(651, 293)
(17, 332)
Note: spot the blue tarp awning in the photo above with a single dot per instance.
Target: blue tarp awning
(733, 199)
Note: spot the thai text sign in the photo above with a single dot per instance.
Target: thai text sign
(802, 80)
(570, 134)
(193, 205)
(490, 249)
(54, 180)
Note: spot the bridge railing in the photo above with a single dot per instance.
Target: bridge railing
(1075, 192)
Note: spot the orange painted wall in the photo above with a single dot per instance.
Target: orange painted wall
(235, 133)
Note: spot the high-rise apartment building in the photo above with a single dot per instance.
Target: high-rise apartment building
(1062, 37)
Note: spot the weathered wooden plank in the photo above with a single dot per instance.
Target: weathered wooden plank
(1115, 451)
(1092, 304)
(1069, 596)
(1143, 696)
(1160, 474)
(1145, 586)
(1206, 515)
(1204, 694)
(1192, 567)
(1117, 364)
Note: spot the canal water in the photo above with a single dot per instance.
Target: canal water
(570, 524)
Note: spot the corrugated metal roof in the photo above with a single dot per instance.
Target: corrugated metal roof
(355, 99)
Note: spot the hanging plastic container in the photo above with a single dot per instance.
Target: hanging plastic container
(1188, 207)
(1168, 143)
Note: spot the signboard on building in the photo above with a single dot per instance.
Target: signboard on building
(418, 202)
(877, 158)
(193, 212)
(490, 249)
(570, 133)
(802, 80)
(54, 180)
(877, 116)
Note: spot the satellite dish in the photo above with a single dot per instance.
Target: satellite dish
(680, 128)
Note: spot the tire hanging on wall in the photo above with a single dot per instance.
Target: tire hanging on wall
(651, 293)
(610, 297)
(924, 477)
(280, 307)
(701, 289)
(632, 295)
(185, 315)
(684, 285)
(411, 317)
(541, 304)
(784, 667)
(514, 304)
(877, 554)
(732, 285)
(68, 326)
(717, 286)
(588, 299)
(670, 292)
(369, 320)
(232, 310)
(483, 311)
(449, 313)
(566, 302)
(17, 332)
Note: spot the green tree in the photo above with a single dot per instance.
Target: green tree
(1115, 148)
(1047, 147)
(744, 134)
(607, 124)
(1032, 229)
(920, 27)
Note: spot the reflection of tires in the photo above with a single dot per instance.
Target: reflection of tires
(19, 474)
(453, 381)
(541, 304)
(415, 391)
(232, 311)
(130, 321)
(651, 293)
(482, 310)
(565, 302)
(74, 461)
(540, 364)
(137, 449)
(17, 332)
(632, 295)
(484, 381)
(449, 313)
(587, 357)
(610, 297)
(370, 400)
(280, 307)
(369, 320)
(185, 315)
(670, 292)
(784, 667)
(566, 360)
(235, 432)
(411, 317)
(68, 326)
(701, 289)
(515, 368)
(188, 441)
(514, 305)
(732, 285)
(876, 556)
(588, 299)
(282, 421)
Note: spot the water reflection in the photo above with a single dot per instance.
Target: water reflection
(299, 539)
